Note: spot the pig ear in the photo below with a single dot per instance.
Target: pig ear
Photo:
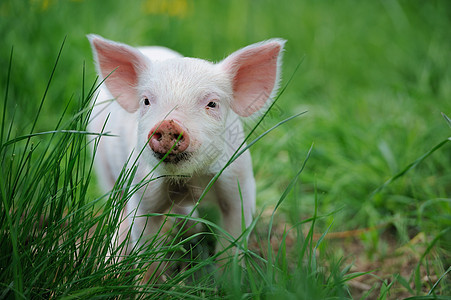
(255, 74)
(121, 65)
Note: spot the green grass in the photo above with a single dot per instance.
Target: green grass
(374, 78)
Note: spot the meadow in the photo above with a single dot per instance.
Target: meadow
(354, 195)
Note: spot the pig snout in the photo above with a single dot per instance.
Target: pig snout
(162, 138)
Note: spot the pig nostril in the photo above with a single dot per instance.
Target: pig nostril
(176, 136)
(157, 136)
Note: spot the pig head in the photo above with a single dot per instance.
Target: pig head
(179, 118)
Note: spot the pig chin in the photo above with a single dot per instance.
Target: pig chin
(173, 159)
(180, 164)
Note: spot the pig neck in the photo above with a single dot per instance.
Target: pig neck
(176, 191)
(187, 191)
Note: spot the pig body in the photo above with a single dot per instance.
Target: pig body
(158, 102)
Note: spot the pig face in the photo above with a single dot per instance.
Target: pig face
(182, 104)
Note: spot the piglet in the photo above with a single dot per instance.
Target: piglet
(179, 118)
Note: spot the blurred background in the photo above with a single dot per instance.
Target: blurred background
(374, 76)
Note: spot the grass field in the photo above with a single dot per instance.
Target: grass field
(369, 216)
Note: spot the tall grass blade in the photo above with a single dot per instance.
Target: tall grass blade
(41, 104)
(438, 281)
(8, 78)
(423, 256)
(410, 166)
(448, 120)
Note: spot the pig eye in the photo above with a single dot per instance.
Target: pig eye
(146, 101)
(211, 104)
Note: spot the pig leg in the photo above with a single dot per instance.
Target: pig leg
(230, 203)
(145, 228)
